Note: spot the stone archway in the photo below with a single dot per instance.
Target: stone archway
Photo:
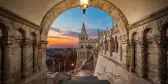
(133, 46)
(104, 5)
(20, 44)
(145, 46)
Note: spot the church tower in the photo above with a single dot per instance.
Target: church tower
(83, 36)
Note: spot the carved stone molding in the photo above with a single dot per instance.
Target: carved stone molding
(156, 15)
(26, 42)
(13, 16)
(44, 42)
(7, 41)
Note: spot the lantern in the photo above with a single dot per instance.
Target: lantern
(84, 5)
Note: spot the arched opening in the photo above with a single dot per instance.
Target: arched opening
(104, 5)
(134, 51)
(81, 46)
(3, 48)
(21, 60)
(106, 45)
(163, 57)
(90, 46)
(116, 44)
(112, 45)
(146, 52)
(85, 43)
(34, 51)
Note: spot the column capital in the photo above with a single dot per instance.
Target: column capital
(36, 43)
(143, 43)
(43, 42)
(26, 41)
(132, 43)
(7, 41)
(160, 43)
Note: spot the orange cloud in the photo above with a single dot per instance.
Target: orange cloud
(61, 40)
(58, 42)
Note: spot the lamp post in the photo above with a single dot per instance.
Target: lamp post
(84, 5)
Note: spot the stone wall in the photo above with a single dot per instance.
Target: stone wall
(20, 46)
(142, 59)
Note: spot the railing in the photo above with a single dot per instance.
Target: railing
(87, 59)
(76, 70)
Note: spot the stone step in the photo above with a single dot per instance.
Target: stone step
(84, 78)
(84, 82)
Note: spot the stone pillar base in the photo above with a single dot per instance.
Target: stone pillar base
(25, 74)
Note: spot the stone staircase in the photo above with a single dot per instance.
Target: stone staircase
(84, 80)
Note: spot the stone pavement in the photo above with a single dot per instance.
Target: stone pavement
(84, 77)
(57, 77)
(85, 73)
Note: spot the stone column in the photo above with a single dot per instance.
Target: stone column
(110, 51)
(162, 61)
(35, 60)
(24, 58)
(104, 49)
(132, 64)
(144, 50)
(43, 45)
(6, 75)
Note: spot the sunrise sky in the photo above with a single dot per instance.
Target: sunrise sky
(66, 28)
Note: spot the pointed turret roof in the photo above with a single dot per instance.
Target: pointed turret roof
(83, 32)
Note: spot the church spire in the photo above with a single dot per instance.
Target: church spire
(83, 32)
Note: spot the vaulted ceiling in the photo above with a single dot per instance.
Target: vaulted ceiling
(35, 10)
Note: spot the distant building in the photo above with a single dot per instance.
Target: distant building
(85, 46)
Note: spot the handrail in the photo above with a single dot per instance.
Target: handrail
(87, 59)
(115, 77)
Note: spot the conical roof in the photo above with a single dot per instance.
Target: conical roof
(83, 31)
